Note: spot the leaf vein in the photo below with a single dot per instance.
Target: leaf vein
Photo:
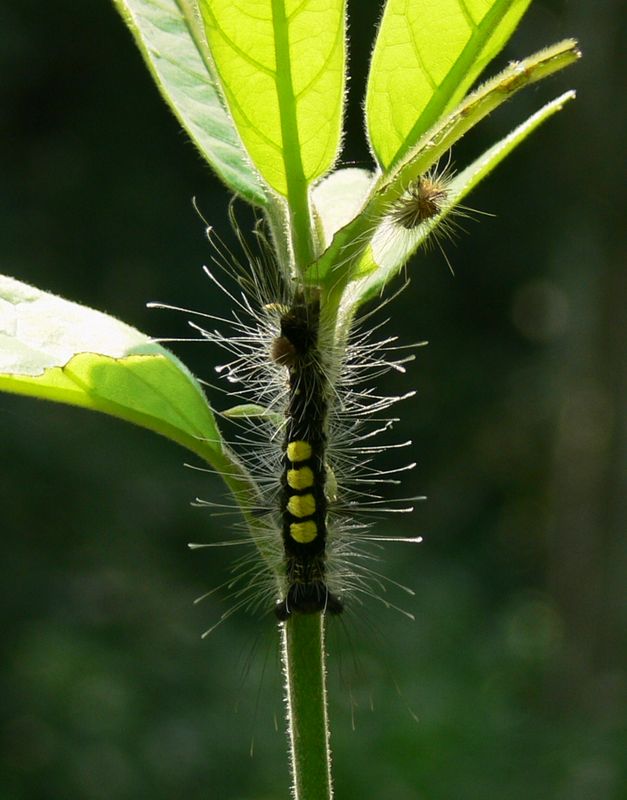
(467, 15)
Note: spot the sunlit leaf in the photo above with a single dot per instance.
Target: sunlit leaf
(56, 350)
(171, 41)
(346, 254)
(425, 59)
(338, 198)
(389, 248)
(281, 65)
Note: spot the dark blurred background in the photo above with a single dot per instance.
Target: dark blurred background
(515, 665)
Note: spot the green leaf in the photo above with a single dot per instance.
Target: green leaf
(338, 199)
(389, 249)
(172, 43)
(253, 411)
(426, 57)
(281, 65)
(345, 256)
(57, 350)
(475, 107)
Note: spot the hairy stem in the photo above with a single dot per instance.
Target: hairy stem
(303, 651)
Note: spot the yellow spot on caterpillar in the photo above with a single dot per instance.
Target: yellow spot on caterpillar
(301, 478)
(304, 532)
(299, 451)
(301, 505)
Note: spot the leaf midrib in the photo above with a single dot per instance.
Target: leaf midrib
(475, 44)
(288, 119)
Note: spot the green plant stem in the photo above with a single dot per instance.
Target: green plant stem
(307, 724)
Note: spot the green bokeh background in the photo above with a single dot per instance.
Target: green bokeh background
(515, 665)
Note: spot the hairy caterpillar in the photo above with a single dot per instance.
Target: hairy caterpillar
(423, 213)
(424, 199)
(304, 498)
(304, 431)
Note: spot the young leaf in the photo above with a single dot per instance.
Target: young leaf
(338, 198)
(281, 65)
(389, 249)
(425, 60)
(252, 411)
(57, 350)
(477, 105)
(344, 258)
(172, 43)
